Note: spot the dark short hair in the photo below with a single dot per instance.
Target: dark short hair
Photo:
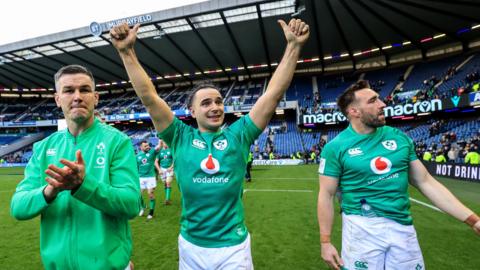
(72, 69)
(144, 141)
(348, 96)
(198, 87)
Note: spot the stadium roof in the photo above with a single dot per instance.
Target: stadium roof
(228, 38)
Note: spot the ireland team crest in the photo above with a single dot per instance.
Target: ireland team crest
(390, 145)
(220, 145)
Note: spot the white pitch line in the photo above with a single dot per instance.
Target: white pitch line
(288, 178)
(278, 190)
(427, 205)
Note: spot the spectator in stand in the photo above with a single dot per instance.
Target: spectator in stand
(453, 137)
(473, 156)
(317, 98)
(427, 156)
(271, 156)
(440, 157)
(452, 154)
(299, 155)
(284, 127)
(464, 150)
(313, 157)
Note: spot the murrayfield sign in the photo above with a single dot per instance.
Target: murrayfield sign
(98, 28)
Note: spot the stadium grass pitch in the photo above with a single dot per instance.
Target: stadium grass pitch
(280, 208)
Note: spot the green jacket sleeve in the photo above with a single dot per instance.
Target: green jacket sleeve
(121, 196)
(28, 200)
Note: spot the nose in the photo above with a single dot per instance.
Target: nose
(77, 96)
(215, 107)
(382, 104)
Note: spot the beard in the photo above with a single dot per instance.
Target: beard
(372, 120)
(79, 118)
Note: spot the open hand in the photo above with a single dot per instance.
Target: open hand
(69, 177)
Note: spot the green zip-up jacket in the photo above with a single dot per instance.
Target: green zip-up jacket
(87, 229)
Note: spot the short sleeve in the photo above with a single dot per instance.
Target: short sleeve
(412, 155)
(246, 128)
(329, 162)
(172, 133)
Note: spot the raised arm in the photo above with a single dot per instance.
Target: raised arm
(296, 34)
(157, 165)
(325, 214)
(123, 39)
(158, 147)
(440, 196)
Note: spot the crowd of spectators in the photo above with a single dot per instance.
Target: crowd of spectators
(18, 156)
(450, 148)
(430, 90)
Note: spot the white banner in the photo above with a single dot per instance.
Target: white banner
(277, 162)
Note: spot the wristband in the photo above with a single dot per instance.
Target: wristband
(472, 219)
(324, 238)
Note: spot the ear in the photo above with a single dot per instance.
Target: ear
(192, 112)
(96, 98)
(353, 111)
(57, 100)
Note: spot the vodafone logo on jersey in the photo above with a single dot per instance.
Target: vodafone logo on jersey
(380, 165)
(210, 165)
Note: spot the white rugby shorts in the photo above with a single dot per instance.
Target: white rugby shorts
(193, 257)
(148, 182)
(165, 174)
(379, 243)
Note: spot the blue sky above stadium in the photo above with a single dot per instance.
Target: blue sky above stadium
(29, 19)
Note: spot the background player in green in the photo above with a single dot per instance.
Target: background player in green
(164, 165)
(83, 183)
(372, 165)
(146, 170)
(248, 174)
(209, 162)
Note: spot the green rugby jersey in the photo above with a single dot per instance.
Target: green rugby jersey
(373, 167)
(165, 157)
(210, 169)
(146, 163)
(88, 228)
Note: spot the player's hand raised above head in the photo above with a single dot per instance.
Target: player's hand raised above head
(123, 37)
(296, 32)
